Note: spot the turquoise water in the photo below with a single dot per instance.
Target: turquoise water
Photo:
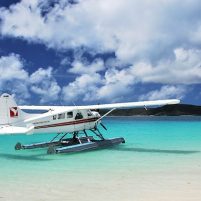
(152, 144)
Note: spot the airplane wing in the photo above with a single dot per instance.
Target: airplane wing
(103, 106)
(130, 104)
(54, 110)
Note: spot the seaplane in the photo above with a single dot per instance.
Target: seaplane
(76, 128)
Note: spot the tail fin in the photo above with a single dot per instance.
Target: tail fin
(9, 112)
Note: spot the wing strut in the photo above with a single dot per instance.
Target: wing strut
(105, 114)
(97, 121)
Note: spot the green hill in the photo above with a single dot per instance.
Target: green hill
(167, 110)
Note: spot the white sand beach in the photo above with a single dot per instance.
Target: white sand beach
(182, 184)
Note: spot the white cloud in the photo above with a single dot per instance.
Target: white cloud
(129, 28)
(185, 68)
(11, 67)
(113, 85)
(41, 75)
(116, 84)
(44, 85)
(82, 67)
(147, 38)
(48, 92)
(94, 87)
(165, 92)
(30, 18)
(13, 77)
(65, 62)
(19, 90)
(16, 80)
(84, 88)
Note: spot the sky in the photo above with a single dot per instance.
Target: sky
(66, 52)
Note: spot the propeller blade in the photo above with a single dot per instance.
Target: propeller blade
(103, 126)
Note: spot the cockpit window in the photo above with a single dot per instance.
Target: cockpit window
(54, 117)
(79, 116)
(69, 114)
(89, 113)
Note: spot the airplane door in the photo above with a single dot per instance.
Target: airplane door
(90, 115)
(81, 120)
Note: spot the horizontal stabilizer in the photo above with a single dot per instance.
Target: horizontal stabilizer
(7, 129)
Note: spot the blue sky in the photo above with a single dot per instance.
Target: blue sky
(100, 51)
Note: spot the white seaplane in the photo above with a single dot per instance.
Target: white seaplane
(76, 121)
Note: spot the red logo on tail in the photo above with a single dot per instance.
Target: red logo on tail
(13, 112)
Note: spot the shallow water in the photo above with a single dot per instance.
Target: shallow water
(154, 145)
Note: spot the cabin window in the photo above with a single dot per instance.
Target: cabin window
(79, 115)
(69, 114)
(61, 116)
(54, 117)
(89, 113)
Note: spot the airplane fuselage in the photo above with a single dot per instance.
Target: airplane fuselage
(71, 121)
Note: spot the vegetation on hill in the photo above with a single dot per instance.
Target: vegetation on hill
(167, 110)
